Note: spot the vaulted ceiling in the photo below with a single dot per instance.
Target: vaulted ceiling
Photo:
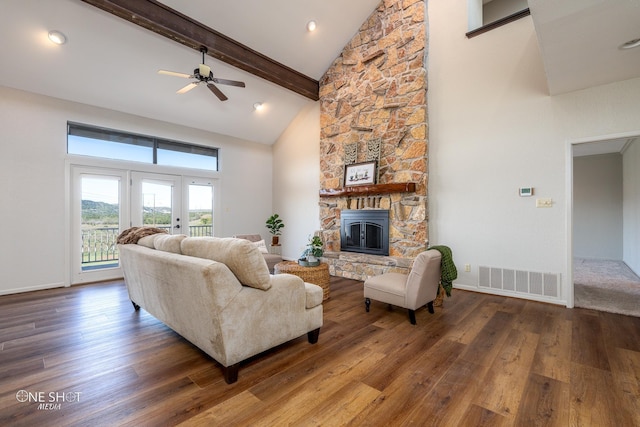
(112, 63)
(580, 41)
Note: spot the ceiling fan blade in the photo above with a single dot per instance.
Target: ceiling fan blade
(228, 82)
(187, 88)
(213, 88)
(174, 74)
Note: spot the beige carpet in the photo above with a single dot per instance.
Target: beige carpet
(606, 286)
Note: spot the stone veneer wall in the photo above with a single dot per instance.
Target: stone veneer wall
(376, 91)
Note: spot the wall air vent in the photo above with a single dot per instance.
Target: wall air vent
(519, 281)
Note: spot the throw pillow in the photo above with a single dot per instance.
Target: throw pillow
(148, 241)
(169, 243)
(241, 256)
(262, 246)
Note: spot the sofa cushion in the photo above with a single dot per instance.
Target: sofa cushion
(148, 241)
(241, 256)
(169, 242)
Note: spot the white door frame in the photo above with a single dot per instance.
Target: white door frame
(77, 274)
(569, 289)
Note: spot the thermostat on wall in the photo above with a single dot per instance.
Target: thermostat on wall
(526, 191)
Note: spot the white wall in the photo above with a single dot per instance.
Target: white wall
(631, 209)
(296, 180)
(32, 182)
(494, 128)
(597, 206)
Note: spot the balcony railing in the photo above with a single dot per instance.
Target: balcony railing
(100, 247)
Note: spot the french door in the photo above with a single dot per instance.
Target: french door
(106, 202)
(99, 212)
(156, 201)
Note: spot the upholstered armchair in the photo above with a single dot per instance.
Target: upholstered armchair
(410, 291)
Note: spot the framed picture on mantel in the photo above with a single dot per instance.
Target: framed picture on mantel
(360, 174)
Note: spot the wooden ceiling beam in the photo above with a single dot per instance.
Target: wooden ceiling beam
(173, 25)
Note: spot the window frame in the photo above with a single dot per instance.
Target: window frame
(477, 11)
(130, 138)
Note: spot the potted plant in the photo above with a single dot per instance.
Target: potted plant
(312, 252)
(275, 224)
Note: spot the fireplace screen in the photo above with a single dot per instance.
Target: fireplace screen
(365, 231)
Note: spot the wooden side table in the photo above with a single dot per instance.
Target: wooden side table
(318, 275)
(275, 249)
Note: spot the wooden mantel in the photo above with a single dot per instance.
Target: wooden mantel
(368, 190)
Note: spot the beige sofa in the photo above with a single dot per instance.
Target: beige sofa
(218, 294)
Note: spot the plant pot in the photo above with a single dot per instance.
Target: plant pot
(275, 240)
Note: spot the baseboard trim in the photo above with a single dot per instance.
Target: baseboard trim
(503, 293)
(32, 288)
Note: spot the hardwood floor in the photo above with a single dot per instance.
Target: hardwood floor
(480, 360)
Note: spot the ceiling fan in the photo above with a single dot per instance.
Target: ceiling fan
(203, 74)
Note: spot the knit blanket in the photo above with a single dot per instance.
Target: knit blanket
(448, 268)
(133, 234)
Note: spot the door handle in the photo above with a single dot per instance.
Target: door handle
(177, 226)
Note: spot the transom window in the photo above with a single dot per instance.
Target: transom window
(486, 15)
(94, 141)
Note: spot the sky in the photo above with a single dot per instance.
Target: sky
(106, 189)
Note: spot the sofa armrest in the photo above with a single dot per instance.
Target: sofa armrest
(258, 320)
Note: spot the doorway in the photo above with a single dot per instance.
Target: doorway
(156, 201)
(105, 202)
(601, 258)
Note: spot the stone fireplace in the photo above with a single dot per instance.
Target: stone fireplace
(373, 106)
(365, 231)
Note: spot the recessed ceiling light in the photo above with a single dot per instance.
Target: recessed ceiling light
(311, 26)
(57, 37)
(630, 44)
(258, 106)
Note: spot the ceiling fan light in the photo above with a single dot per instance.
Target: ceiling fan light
(258, 106)
(630, 44)
(57, 37)
(205, 70)
(311, 26)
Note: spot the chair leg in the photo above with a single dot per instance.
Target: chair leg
(412, 316)
(430, 307)
(367, 304)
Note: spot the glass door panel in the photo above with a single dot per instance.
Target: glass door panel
(100, 221)
(200, 210)
(156, 201)
(99, 213)
(157, 208)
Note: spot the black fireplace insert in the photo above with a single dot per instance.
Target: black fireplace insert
(365, 231)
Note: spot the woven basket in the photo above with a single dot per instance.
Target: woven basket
(439, 298)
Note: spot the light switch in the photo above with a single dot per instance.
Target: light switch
(544, 203)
